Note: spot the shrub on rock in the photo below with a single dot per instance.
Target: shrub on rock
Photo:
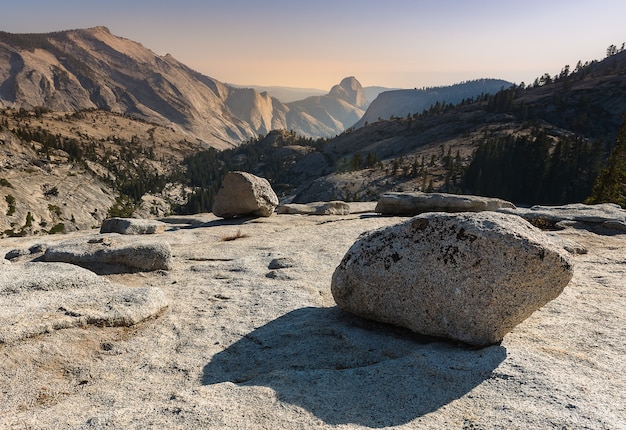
(471, 277)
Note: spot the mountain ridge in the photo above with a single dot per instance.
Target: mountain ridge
(539, 144)
(402, 102)
(93, 69)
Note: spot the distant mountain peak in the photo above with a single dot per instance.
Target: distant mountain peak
(99, 28)
(350, 82)
(350, 90)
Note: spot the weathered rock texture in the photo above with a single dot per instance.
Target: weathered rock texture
(112, 253)
(38, 298)
(243, 194)
(131, 226)
(239, 349)
(315, 208)
(410, 204)
(470, 277)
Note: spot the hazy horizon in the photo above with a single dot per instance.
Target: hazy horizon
(399, 44)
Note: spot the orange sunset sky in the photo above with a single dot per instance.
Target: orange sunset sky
(314, 44)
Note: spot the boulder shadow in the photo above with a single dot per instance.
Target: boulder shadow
(348, 370)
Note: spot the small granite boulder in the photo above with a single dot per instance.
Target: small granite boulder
(281, 263)
(132, 226)
(112, 253)
(471, 277)
(409, 204)
(16, 253)
(244, 194)
(335, 207)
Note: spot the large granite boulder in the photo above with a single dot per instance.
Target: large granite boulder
(132, 226)
(244, 194)
(471, 277)
(410, 204)
(112, 253)
(37, 298)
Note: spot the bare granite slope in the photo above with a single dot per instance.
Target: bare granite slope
(243, 345)
(41, 195)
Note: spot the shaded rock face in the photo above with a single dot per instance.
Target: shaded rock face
(244, 194)
(131, 226)
(38, 298)
(112, 254)
(470, 277)
(416, 203)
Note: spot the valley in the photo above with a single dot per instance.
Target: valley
(146, 136)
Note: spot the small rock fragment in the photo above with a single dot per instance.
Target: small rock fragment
(281, 263)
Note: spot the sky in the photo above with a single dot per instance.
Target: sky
(316, 43)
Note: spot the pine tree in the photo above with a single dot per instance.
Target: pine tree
(610, 185)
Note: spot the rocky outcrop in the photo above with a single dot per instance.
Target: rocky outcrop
(112, 253)
(37, 298)
(409, 204)
(315, 208)
(244, 194)
(471, 277)
(607, 215)
(132, 226)
(49, 196)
